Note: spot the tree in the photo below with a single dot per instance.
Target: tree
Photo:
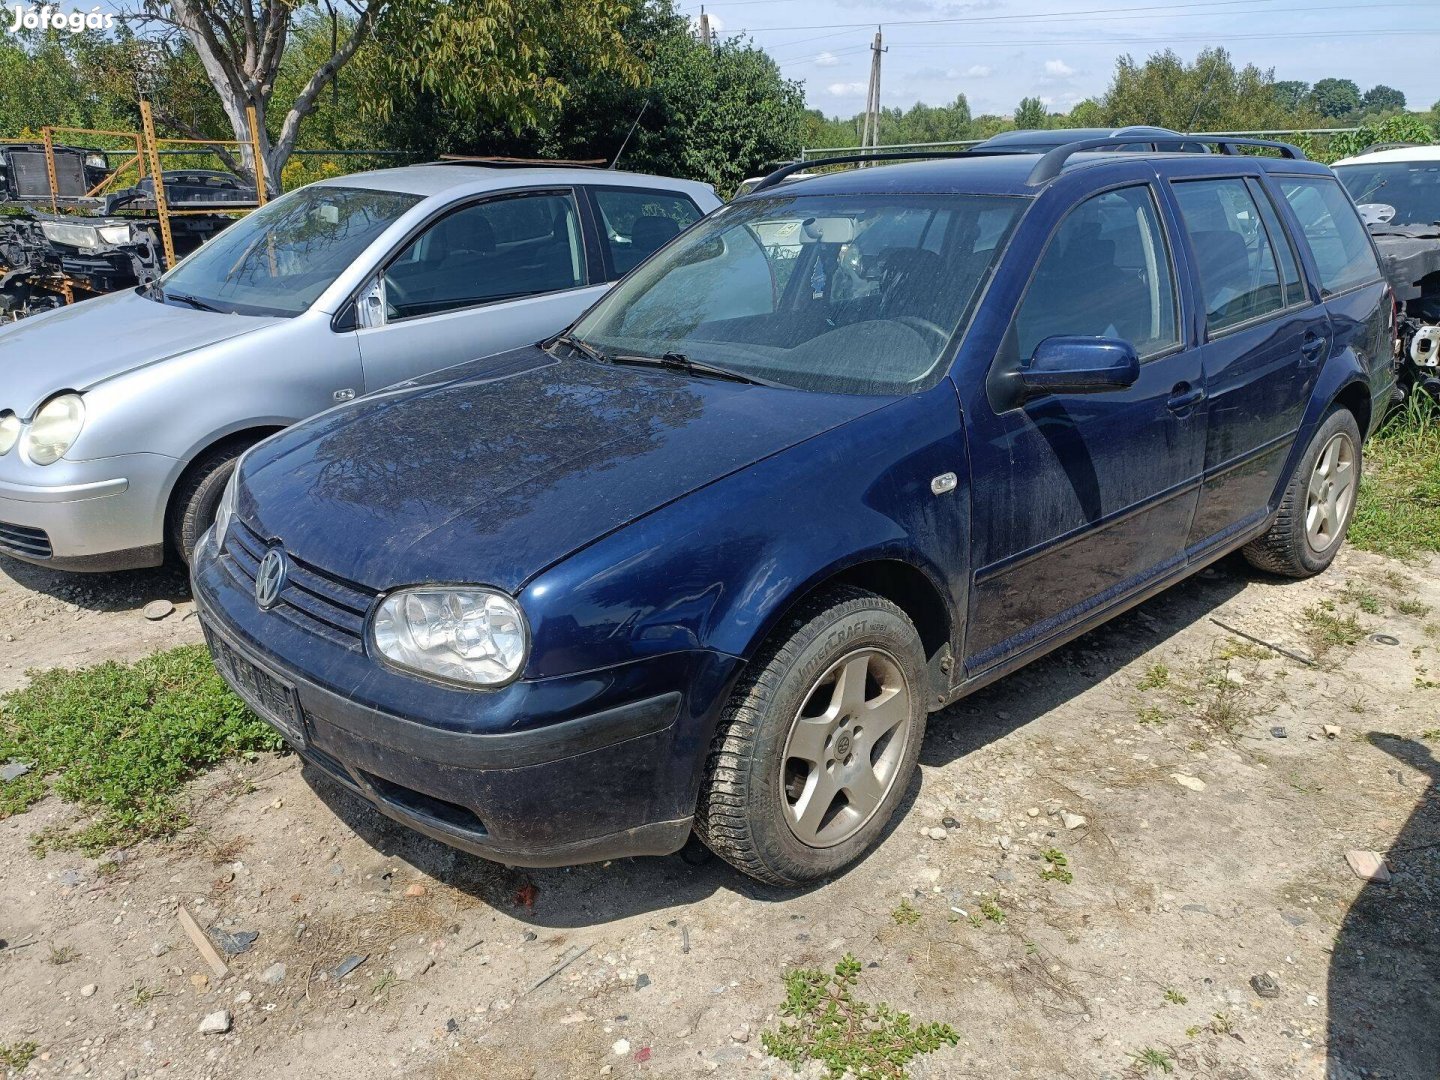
(1335, 97)
(473, 55)
(1383, 98)
(1291, 93)
(1209, 95)
(1031, 113)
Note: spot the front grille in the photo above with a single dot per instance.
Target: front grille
(267, 695)
(23, 540)
(312, 599)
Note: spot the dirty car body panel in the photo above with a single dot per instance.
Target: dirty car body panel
(656, 526)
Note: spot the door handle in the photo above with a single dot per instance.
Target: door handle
(1184, 397)
(1312, 346)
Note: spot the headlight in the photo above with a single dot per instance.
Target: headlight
(225, 509)
(54, 429)
(466, 635)
(114, 234)
(9, 431)
(96, 161)
(70, 234)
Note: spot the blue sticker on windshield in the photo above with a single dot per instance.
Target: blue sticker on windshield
(817, 282)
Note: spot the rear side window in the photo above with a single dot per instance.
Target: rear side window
(1233, 253)
(1341, 245)
(637, 223)
(1284, 247)
(1105, 273)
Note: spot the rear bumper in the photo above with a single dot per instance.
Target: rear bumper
(541, 773)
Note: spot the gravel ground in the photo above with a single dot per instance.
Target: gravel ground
(1206, 851)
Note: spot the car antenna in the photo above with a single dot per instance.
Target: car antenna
(643, 106)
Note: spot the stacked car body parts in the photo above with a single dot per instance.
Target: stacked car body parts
(69, 243)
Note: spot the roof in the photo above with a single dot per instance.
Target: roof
(1400, 154)
(462, 178)
(1061, 136)
(1009, 174)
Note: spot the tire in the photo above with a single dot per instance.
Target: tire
(192, 507)
(1295, 546)
(760, 794)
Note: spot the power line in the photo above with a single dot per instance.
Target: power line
(1428, 32)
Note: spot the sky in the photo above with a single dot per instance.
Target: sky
(997, 51)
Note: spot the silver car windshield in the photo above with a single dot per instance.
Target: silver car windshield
(1395, 192)
(857, 294)
(279, 259)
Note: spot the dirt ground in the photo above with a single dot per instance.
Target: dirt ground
(1211, 850)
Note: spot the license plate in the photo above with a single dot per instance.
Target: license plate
(271, 698)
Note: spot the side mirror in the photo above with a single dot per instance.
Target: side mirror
(1080, 365)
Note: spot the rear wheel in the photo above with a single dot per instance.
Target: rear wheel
(192, 507)
(1318, 504)
(818, 742)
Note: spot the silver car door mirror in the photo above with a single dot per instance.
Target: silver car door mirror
(370, 307)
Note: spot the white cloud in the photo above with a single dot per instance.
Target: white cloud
(847, 89)
(978, 71)
(1058, 69)
(826, 59)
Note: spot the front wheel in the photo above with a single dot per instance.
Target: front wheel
(818, 742)
(1318, 503)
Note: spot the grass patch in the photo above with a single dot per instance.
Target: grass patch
(1367, 600)
(906, 914)
(1156, 676)
(1153, 1061)
(119, 740)
(18, 1055)
(1325, 630)
(1413, 605)
(990, 909)
(826, 1024)
(1398, 511)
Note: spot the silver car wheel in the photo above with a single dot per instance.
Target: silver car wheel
(1331, 493)
(843, 752)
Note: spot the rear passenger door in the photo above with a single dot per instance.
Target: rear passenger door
(634, 223)
(483, 277)
(1265, 337)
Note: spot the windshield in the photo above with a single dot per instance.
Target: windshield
(856, 294)
(1395, 192)
(279, 259)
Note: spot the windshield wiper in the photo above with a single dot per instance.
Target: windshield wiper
(582, 347)
(195, 302)
(678, 361)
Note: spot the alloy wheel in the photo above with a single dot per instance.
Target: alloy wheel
(845, 747)
(1331, 492)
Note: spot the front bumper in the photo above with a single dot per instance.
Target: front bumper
(545, 772)
(97, 515)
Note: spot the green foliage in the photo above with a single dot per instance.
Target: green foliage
(1398, 511)
(18, 1055)
(1057, 867)
(120, 739)
(1175, 997)
(990, 908)
(905, 914)
(1209, 95)
(1031, 113)
(827, 1024)
(1156, 676)
(1153, 1061)
(1326, 630)
(1335, 97)
(1383, 98)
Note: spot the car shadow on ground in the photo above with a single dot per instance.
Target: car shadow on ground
(596, 894)
(1384, 983)
(121, 590)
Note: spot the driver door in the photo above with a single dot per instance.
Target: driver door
(483, 278)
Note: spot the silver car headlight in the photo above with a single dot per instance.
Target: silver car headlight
(462, 634)
(225, 509)
(72, 235)
(114, 234)
(54, 428)
(9, 432)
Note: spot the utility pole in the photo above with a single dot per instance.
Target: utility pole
(871, 136)
(705, 28)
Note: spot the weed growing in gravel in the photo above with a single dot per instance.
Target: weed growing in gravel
(1433, 735)
(18, 1055)
(120, 739)
(1413, 605)
(990, 908)
(1156, 676)
(1175, 997)
(871, 1042)
(1327, 630)
(1150, 716)
(1057, 867)
(1153, 1060)
(63, 955)
(1398, 509)
(905, 914)
(1365, 599)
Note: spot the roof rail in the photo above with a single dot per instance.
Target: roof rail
(1375, 148)
(1050, 164)
(517, 163)
(786, 171)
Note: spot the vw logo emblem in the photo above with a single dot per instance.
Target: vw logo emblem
(270, 578)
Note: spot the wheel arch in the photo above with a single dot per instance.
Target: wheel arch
(242, 439)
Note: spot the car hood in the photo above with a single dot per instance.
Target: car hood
(511, 464)
(77, 346)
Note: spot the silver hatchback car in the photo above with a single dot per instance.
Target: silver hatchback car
(121, 418)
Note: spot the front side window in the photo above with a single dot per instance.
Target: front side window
(277, 260)
(501, 249)
(1338, 240)
(1105, 273)
(1239, 278)
(1395, 192)
(856, 294)
(637, 223)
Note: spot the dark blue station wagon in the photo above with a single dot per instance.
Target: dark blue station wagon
(839, 454)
